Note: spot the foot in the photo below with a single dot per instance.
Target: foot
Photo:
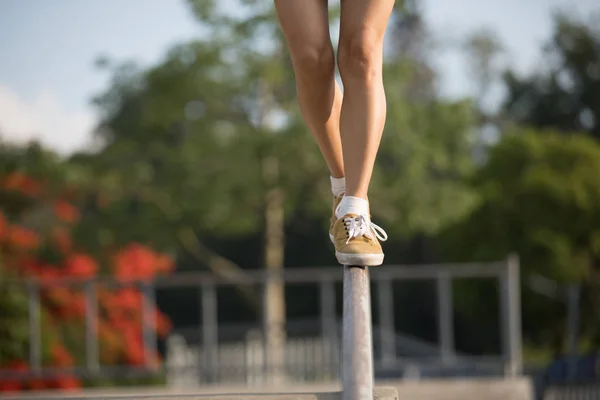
(356, 241)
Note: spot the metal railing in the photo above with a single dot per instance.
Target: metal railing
(506, 272)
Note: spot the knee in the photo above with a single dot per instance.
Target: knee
(315, 63)
(359, 55)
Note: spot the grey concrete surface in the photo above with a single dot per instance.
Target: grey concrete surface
(466, 389)
(450, 389)
(379, 393)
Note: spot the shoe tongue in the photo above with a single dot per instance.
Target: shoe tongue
(364, 237)
(353, 216)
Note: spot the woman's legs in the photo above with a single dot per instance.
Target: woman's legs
(360, 118)
(360, 58)
(305, 26)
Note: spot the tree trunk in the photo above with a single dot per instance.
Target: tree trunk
(274, 296)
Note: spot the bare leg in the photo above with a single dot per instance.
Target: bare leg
(360, 57)
(305, 26)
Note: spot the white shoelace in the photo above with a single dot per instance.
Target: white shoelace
(361, 225)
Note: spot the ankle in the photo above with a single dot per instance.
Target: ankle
(352, 205)
(338, 186)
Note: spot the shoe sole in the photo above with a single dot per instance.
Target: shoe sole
(365, 260)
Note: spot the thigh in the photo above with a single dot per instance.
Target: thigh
(305, 25)
(364, 20)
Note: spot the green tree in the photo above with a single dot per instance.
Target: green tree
(565, 94)
(14, 333)
(539, 196)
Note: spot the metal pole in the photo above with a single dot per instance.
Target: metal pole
(35, 340)
(357, 348)
(329, 321)
(91, 328)
(510, 306)
(387, 323)
(149, 323)
(445, 317)
(209, 331)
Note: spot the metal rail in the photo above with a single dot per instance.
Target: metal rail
(357, 352)
(289, 275)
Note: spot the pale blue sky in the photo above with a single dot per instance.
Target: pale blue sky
(47, 49)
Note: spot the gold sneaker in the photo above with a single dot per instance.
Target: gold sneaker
(356, 240)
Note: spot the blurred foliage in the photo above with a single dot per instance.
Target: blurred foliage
(14, 334)
(564, 95)
(539, 196)
(38, 222)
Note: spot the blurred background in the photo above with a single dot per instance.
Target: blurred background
(153, 166)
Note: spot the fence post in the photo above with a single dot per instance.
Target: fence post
(91, 327)
(148, 324)
(35, 340)
(329, 324)
(510, 304)
(387, 321)
(445, 317)
(357, 347)
(210, 339)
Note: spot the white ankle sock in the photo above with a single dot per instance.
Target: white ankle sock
(338, 185)
(353, 205)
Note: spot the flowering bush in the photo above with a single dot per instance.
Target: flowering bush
(36, 242)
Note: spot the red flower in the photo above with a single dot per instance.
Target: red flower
(128, 298)
(119, 319)
(81, 266)
(22, 238)
(60, 356)
(135, 262)
(135, 347)
(66, 211)
(18, 182)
